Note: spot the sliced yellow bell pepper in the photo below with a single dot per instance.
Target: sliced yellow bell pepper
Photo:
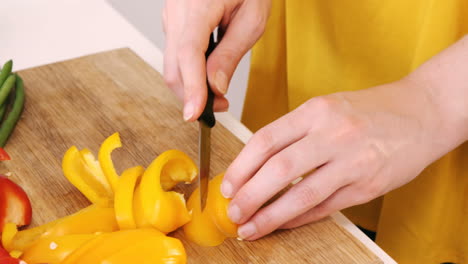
(95, 168)
(89, 220)
(77, 172)
(212, 226)
(130, 246)
(123, 199)
(24, 238)
(105, 158)
(166, 211)
(53, 250)
(151, 250)
(218, 207)
(9, 232)
(182, 169)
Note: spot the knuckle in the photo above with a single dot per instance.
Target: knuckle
(263, 141)
(307, 195)
(282, 166)
(321, 104)
(352, 127)
(263, 220)
(171, 79)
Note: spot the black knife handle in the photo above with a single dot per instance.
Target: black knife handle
(208, 116)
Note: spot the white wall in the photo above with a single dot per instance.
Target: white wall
(145, 15)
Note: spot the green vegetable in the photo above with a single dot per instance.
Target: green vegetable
(13, 116)
(6, 70)
(6, 88)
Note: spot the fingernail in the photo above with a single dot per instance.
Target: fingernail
(234, 213)
(188, 111)
(247, 230)
(221, 82)
(226, 189)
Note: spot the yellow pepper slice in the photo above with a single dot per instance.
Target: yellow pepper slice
(123, 200)
(105, 158)
(166, 211)
(151, 250)
(95, 168)
(9, 232)
(89, 220)
(212, 226)
(182, 169)
(16, 254)
(130, 246)
(53, 250)
(76, 171)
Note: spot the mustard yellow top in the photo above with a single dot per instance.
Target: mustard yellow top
(316, 47)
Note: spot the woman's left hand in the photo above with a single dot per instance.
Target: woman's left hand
(351, 147)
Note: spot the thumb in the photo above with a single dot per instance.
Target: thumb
(244, 29)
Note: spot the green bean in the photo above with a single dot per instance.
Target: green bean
(13, 116)
(6, 70)
(6, 88)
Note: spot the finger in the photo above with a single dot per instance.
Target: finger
(221, 104)
(191, 54)
(343, 198)
(173, 19)
(279, 171)
(172, 75)
(246, 25)
(299, 199)
(264, 144)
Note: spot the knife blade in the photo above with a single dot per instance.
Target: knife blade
(206, 122)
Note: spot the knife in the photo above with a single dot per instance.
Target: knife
(206, 122)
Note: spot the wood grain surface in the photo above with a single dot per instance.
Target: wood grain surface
(82, 101)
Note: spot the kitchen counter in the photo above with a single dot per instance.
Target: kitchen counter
(41, 32)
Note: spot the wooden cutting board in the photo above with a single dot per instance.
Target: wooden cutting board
(82, 101)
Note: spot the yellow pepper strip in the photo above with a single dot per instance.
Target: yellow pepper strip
(151, 250)
(77, 173)
(24, 238)
(123, 200)
(53, 250)
(9, 232)
(212, 226)
(182, 169)
(105, 158)
(95, 168)
(89, 220)
(16, 254)
(166, 211)
(77, 254)
(130, 246)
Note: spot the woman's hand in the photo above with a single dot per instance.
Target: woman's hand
(352, 147)
(188, 25)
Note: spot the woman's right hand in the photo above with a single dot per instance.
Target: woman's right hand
(188, 25)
